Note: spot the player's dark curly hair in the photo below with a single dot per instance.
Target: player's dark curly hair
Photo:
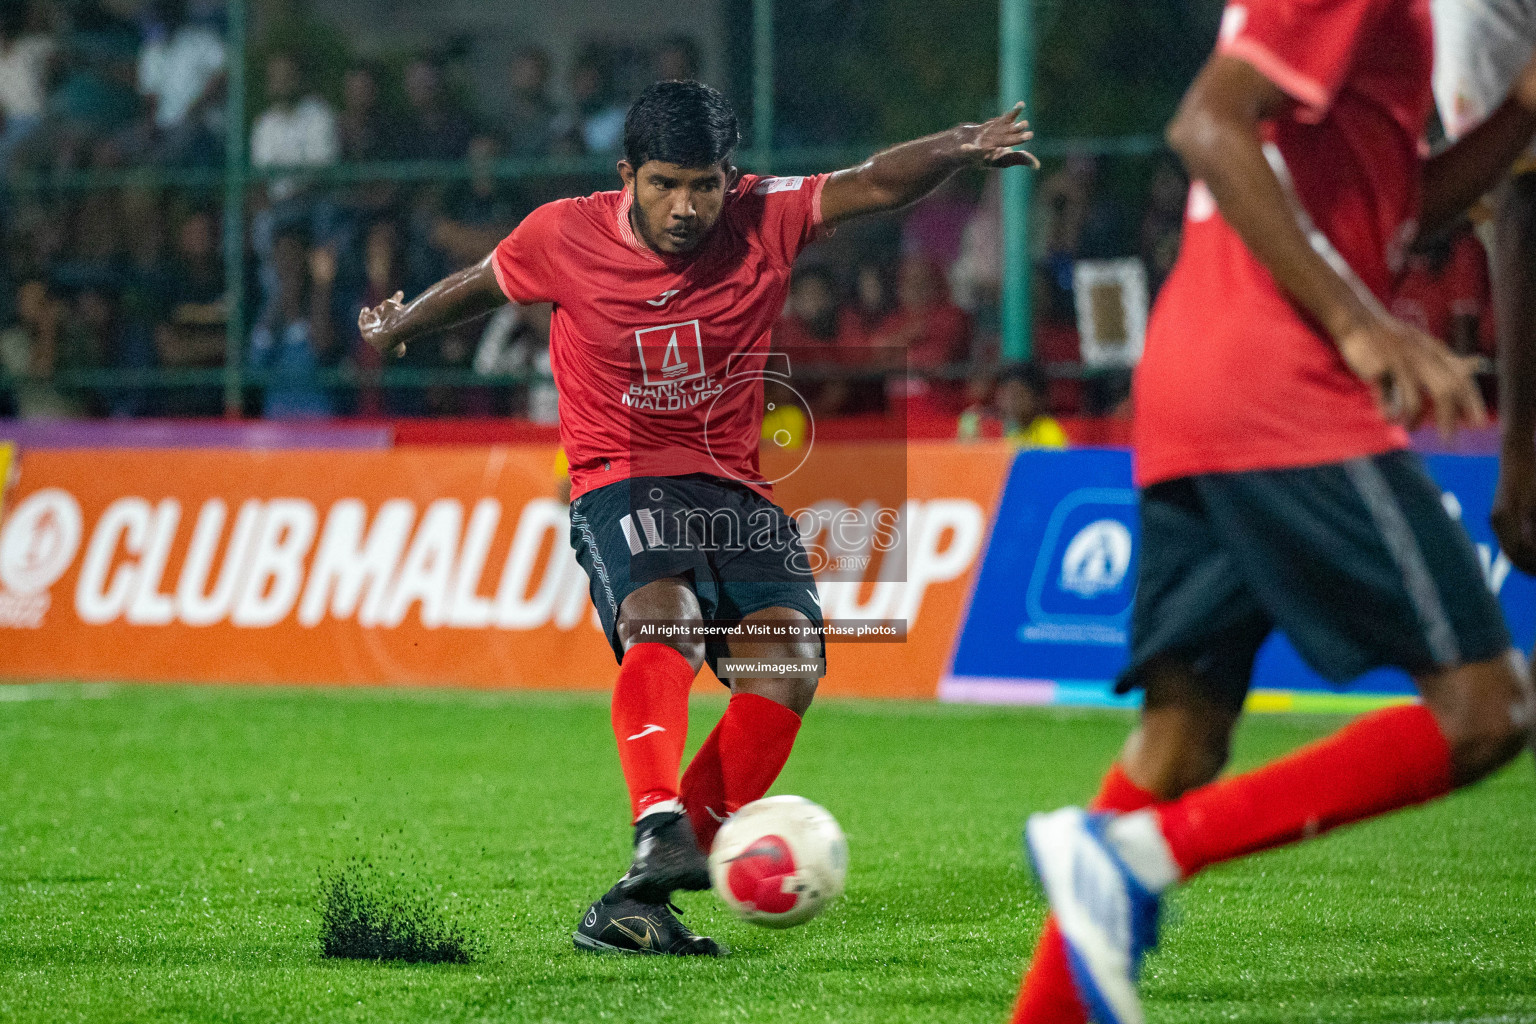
(683, 123)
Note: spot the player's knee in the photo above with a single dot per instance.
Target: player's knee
(1486, 714)
(1484, 738)
(682, 642)
(801, 693)
(1178, 749)
(794, 693)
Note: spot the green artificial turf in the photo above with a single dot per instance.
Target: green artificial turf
(162, 854)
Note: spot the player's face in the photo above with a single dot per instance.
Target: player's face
(675, 208)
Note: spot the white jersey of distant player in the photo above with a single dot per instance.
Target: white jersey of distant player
(1480, 47)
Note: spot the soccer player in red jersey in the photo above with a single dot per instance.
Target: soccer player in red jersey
(663, 292)
(1276, 488)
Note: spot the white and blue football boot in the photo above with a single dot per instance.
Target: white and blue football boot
(1107, 916)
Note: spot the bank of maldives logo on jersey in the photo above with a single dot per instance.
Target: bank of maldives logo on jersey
(670, 354)
(1083, 582)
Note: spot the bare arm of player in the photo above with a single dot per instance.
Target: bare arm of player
(394, 323)
(904, 174)
(1514, 283)
(1462, 173)
(1217, 133)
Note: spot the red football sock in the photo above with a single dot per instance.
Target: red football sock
(738, 762)
(650, 721)
(1379, 762)
(1048, 995)
(703, 791)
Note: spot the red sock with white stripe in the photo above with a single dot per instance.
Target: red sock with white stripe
(738, 762)
(1048, 995)
(650, 722)
(1380, 762)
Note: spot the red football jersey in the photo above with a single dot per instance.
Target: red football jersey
(1431, 298)
(659, 359)
(1234, 376)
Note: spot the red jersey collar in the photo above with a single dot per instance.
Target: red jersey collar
(627, 230)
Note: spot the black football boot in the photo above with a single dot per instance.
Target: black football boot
(619, 924)
(667, 858)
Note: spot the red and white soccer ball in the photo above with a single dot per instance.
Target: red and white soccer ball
(778, 861)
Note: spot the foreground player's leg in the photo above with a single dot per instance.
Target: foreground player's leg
(1182, 742)
(1104, 873)
(650, 724)
(749, 747)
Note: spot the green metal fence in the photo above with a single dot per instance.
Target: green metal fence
(1015, 60)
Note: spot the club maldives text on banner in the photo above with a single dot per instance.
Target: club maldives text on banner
(424, 566)
(1050, 618)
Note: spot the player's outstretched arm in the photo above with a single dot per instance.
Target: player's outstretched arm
(394, 323)
(904, 174)
(1464, 172)
(1514, 279)
(1217, 133)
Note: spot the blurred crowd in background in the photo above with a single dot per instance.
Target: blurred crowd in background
(896, 313)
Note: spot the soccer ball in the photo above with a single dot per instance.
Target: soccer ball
(778, 861)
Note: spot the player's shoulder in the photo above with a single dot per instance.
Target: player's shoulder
(591, 207)
(574, 214)
(757, 201)
(761, 189)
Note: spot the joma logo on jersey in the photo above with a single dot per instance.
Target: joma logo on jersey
(670, 354)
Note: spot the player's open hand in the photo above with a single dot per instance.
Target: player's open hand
(377, 324)
(1413, 376)
(995, 143)
(1514, 507)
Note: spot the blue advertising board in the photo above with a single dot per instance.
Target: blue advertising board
(1049, 619)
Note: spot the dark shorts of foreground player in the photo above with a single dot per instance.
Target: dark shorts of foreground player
(738, 551)
(1358, 562)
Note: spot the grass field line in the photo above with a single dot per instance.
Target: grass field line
(1504, 1019)
(13, 692)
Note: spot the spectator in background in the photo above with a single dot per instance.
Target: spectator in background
(293, 334)
(931, 329)
(94, 252)
(383, 276)
(926, 333)
(28, 352)
(478, 214)
(857, 322)
(596, 122)
(678, 60)
(810, 321)
(872, 303)
(1163, 223)
(192, 335)
(976, 277)
(297, 129)
(531, 121)
(1014, 409)
(181, 70)
(26, 53)
(1445, 291)
(516, 342)
(1074, 220)
(366, 134)
(363, 132)
(95, 100)
(91, 339)
(808, 333)
(935, 227)
(435, 128)
(291, 27)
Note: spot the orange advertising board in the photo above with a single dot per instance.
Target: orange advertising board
(441, 566)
